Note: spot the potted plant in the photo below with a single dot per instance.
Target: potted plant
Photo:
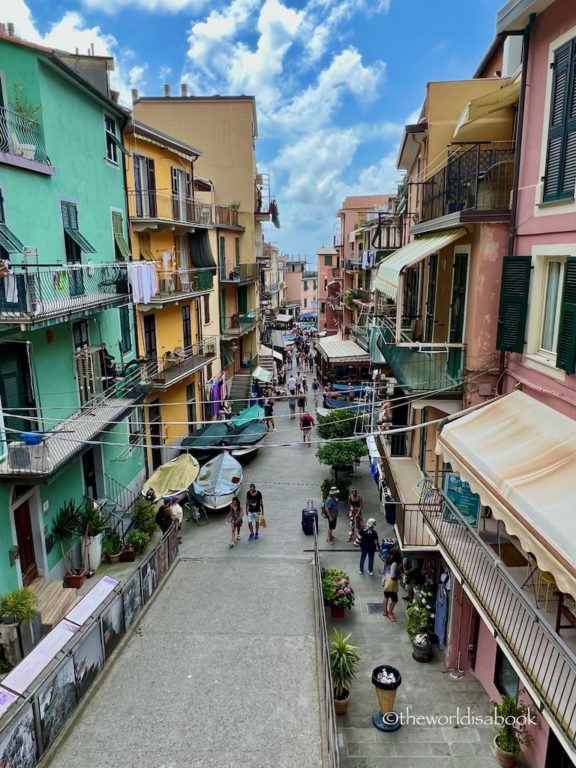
(144, 516)
(344, 660)
(92, 526)
(338, 423)
(512, 720)
(112, 546)
(65, 527)
(138, 540)
(336, 591)
(341, 456)
(127, 555)
(19, 605)
(420, 624)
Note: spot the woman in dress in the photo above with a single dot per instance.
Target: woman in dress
(390, 575)
(354, 514)
(235, 520)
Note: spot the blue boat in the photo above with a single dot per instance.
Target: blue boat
(334, 402)
(218, 483)
(240, 436)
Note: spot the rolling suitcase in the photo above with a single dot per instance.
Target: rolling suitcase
(309, 517)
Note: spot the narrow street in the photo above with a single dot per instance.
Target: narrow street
(221, 670)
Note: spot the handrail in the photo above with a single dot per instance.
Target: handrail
(21, 137)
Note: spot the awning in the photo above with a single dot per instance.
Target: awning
(261, 374)
(519, 455)
(201, 251)
(446, 406)
(338, 352)
(227, 356)
(266, 351)
(486, 106)
(388, 277)
(280, 318)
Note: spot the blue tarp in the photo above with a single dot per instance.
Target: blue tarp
(249, 414)
(218, 482)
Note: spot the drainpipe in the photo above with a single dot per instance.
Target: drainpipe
(519, 133)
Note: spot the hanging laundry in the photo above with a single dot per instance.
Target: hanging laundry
(143, 280)
(365, 260)
(11, 288)
(215, 397)
(441, 613)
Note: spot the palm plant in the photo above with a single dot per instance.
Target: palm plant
(344, 660)
(65, 526)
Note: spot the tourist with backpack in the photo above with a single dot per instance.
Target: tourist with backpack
(306, 424)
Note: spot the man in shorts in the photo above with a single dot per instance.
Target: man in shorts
(331, 507)
(254, 508)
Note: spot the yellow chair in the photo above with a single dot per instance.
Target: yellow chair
(546, 580)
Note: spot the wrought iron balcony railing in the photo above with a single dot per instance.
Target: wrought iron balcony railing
(149, 205)
(174, 284)
(226, 215)
(417, 366)
(540, 653)
(230, 272)
(33, 293)
(21, 137)
(239, 324)
(174, 366)
(476, 177)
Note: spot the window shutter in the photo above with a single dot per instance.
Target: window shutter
(560, 175)
(566, 349)
(117, 223)
(2, 216)
(65, 215)
(125, 329)
(513, 303)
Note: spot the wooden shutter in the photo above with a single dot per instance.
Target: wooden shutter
(513, 303)
(2, 216)
(117, 223)
(125, 329)
(566, 349)
(151, 185)
(560, 175)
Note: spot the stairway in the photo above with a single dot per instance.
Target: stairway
(239, 392)
(266, 362)
(54, 601)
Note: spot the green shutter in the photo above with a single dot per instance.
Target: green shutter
(121, 244)
(513, 303)
(566, 349)
(560, 175)
(328, 260)
(125, 329)
(70, 221)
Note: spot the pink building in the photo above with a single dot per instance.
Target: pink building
(309, 294)
(330, 277)
(293, 271)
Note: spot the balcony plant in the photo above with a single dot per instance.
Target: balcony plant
(66, 527)
(344, 660)
(92, 526)
(20, 104)
(138, 540)
(144, 516)
(112, 546)
(420, 624)
(19, 605)
(336, 591)
(512, 721)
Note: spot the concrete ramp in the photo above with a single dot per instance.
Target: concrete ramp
(221, 672)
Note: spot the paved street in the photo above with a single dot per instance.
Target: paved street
(222, 669)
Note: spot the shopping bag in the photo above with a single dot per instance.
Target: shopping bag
(357, 541)
(262, 520)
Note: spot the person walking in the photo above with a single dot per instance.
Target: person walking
(301, 403)
(304, 386)
(315, 390)
(291, 385)
(390, 575)
(369, 544)
(254, 508)
(331, 508)
(306, 424)
(292, 406)
(269, 415)
(354, 514)
(235, 520)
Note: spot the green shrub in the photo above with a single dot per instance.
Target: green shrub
(112, 543)
(336, 589)
(338, 423)
(143, 516)
(341, 454)
(342, 485)
(138, 539)
(19, 604)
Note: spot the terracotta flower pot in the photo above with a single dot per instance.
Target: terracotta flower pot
(114, 558)
(341, 705)
(74, 579)
(127, 555)
(337, 611)
(504, 759)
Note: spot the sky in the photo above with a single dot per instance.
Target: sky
(335, 81)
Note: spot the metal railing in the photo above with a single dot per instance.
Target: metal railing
(226, 215)
(330, 744)
(118, 497)
(336, 273)
(239, 323)
(545, 660)
(173, 283)
(21, 137)
(475, 177)
(361, 334)
(397, 444)
(411, 526)
(31, 293)
(174, 365)
(420, 367)
(149, 204)
(230, 272)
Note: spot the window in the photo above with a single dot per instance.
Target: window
(135, 431)
(325, 283)
(144, 187)
(237, 250)
(551, 307)
(75, 241)
(328, 260)
(112, 142)
(125, 329)
(560, 176)
(186, 326)
(305, 285)
(209, 371)
(305, 303)
(505, 678)
(191, 407)
(9, 243)
(206, 299)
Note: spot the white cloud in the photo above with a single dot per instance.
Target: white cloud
(152, 6)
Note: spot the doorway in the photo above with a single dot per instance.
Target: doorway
(155, 427)
(25, 542)
(150, 347)
(457, 314)
(91, 474)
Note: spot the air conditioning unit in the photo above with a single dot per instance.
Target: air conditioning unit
(28, 458)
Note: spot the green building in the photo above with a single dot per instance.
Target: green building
(66, 320)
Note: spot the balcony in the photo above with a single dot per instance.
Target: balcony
(230, 272)
(264, 252)
(116, 397)
(336, 273)
(21, 143)
(149, 209)
(179, 284)
(417, 366)
(477, 178)
(32, 294)
(175, 366)
(544, 658)
(361, 335)
(236, 325)
(226, 216)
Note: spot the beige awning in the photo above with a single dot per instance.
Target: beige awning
(388, 277)
(485, 114)
(339, 352)
(519, 455)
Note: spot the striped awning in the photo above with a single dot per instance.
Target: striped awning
(388, 277)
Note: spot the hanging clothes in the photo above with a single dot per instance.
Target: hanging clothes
(365, 260)
(215, 397)
(441, 613)
(143, 280)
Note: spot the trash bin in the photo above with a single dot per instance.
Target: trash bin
(386, 681)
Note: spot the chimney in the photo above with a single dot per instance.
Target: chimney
(10, 28)
(166, 91)
(184, 90)
(91, 49)
(134, 92)
(2, 28)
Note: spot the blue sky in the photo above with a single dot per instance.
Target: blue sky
(334, 80)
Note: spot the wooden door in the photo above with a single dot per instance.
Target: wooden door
(25, 543)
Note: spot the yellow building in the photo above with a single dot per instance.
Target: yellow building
(171, 215)
(225, 127)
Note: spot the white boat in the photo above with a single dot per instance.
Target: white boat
(218, 483)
